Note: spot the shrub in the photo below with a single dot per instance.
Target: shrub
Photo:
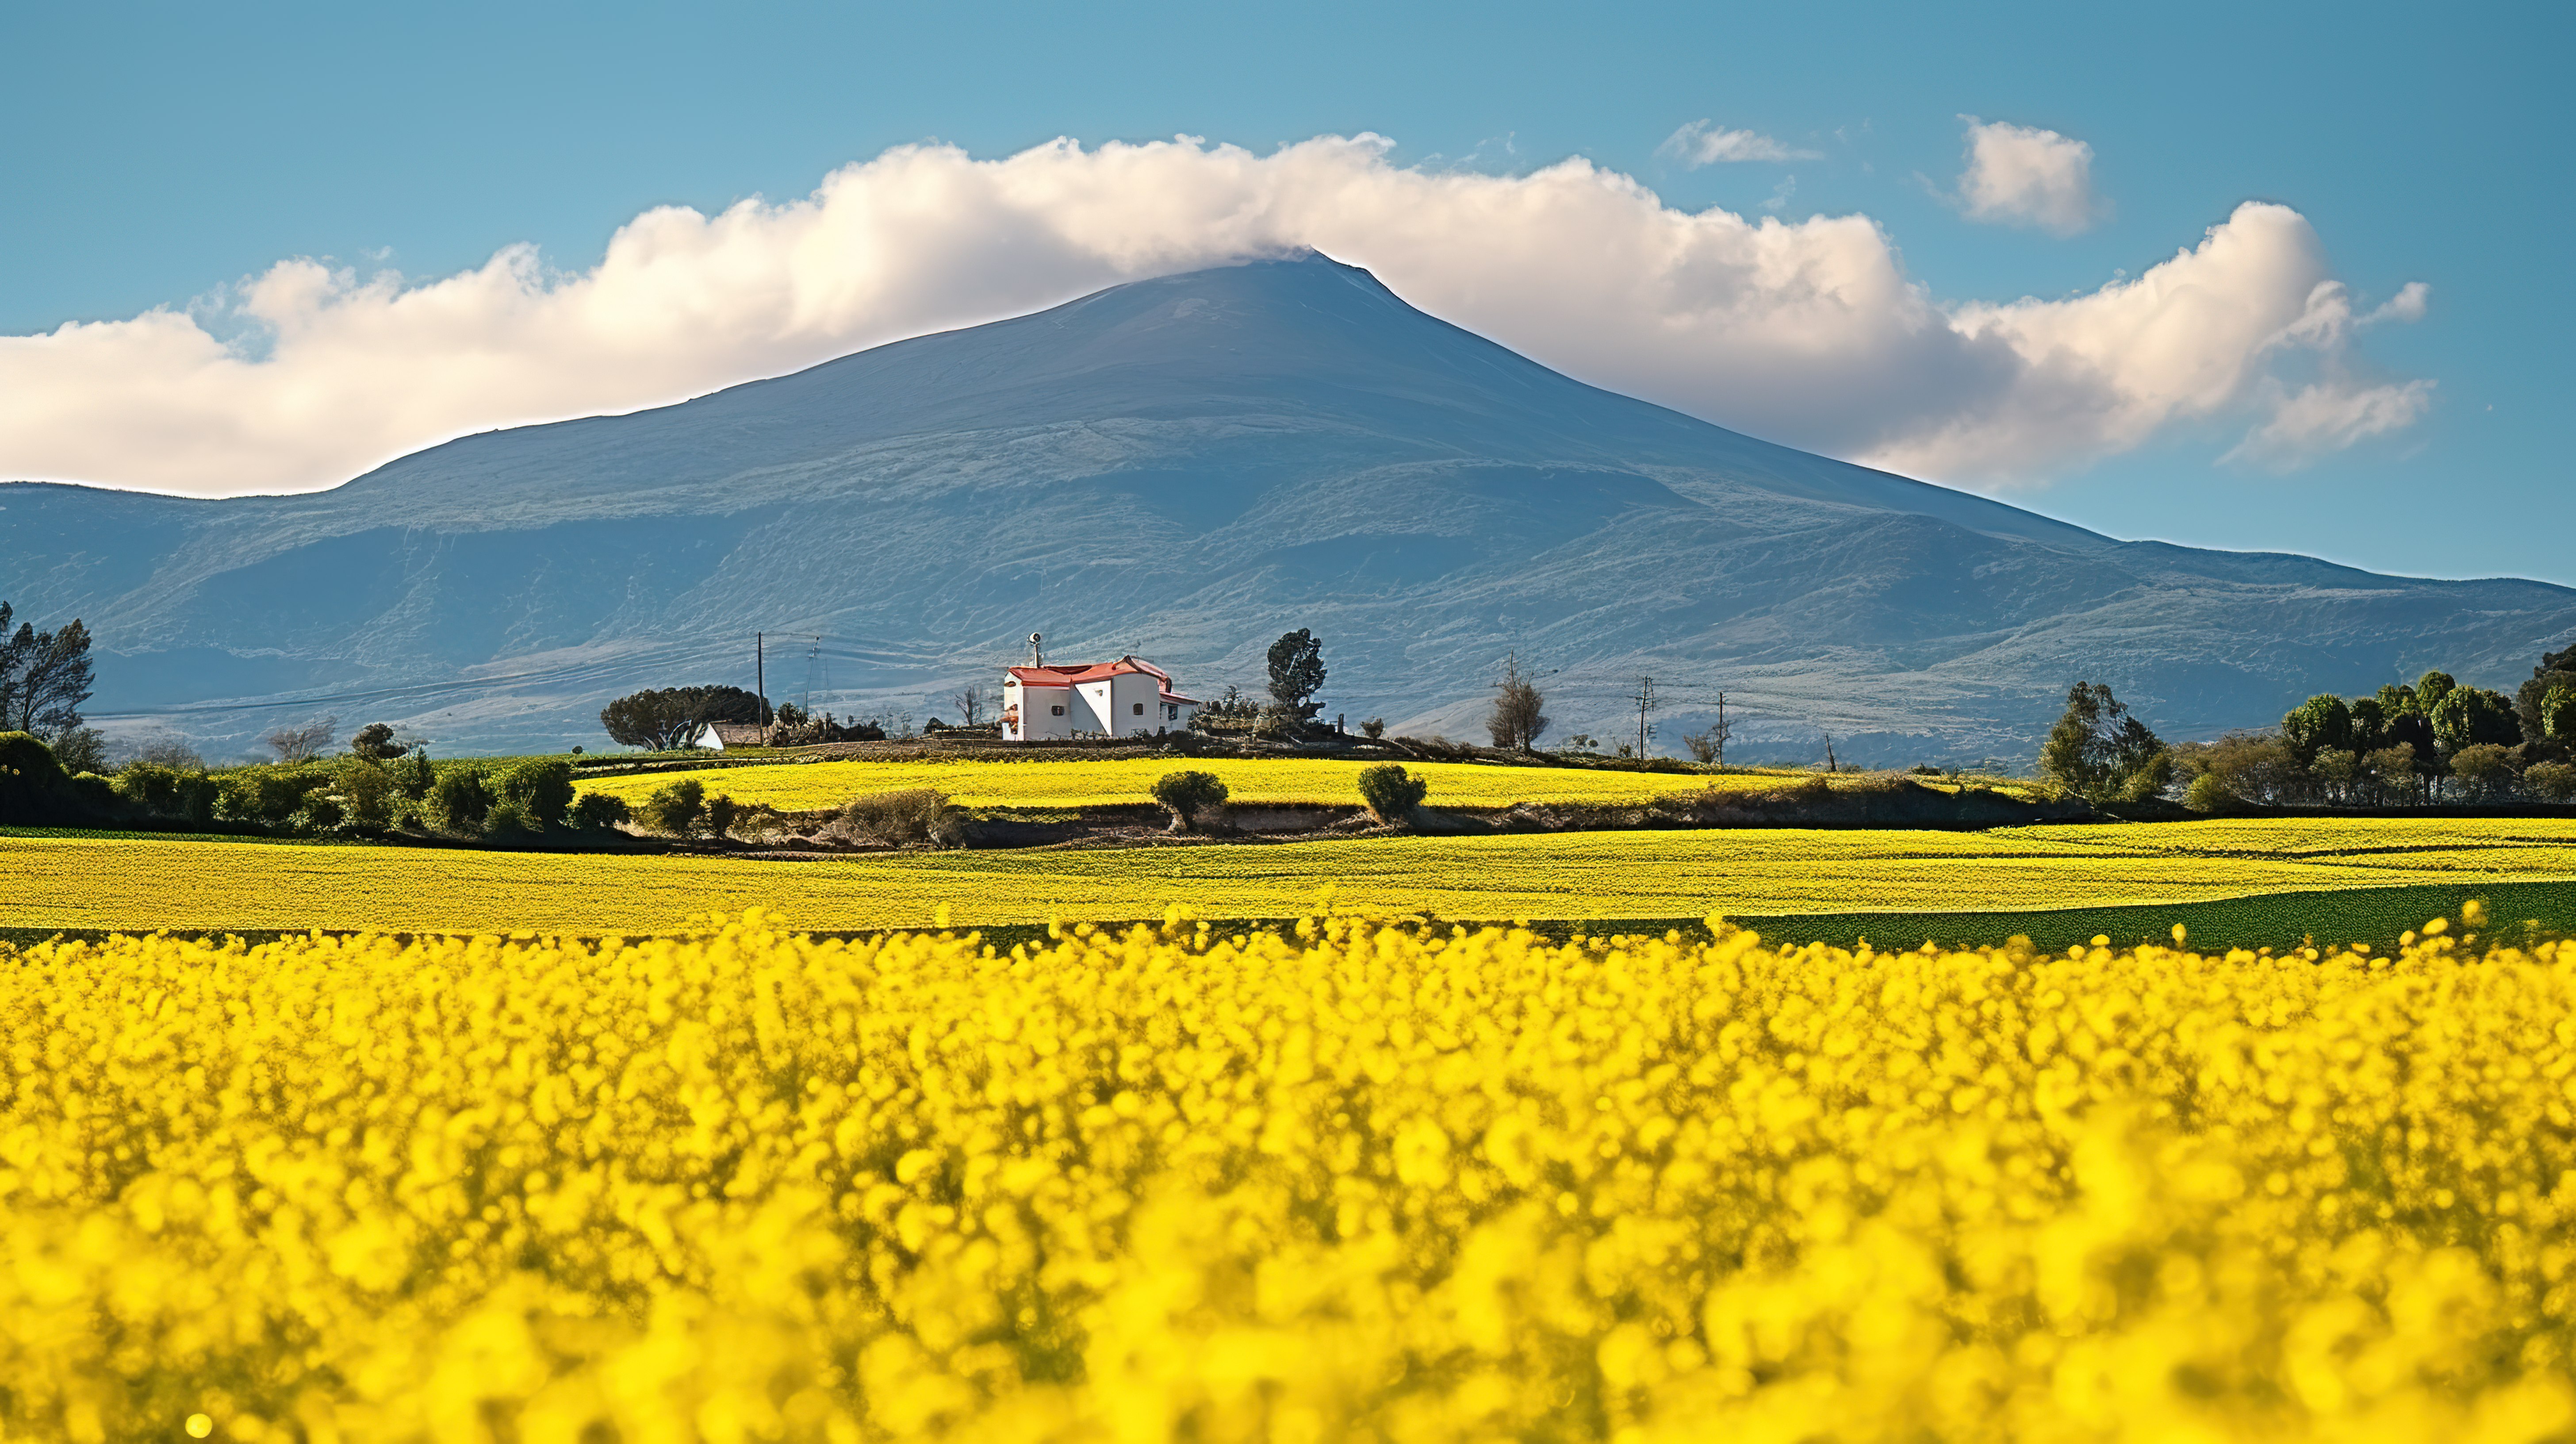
(1187, 794)
(599, 812)
(722, 815)
(673, 809)
(2551, 781)
(166, 791)
(508, 818)
(35, 789)
(458, 802)
(365, 790)
(912, 816)
(269, 795)
(412, 774)
(1391, 794)
(541, 788)
(1275, 724)
(1373, 728)
(2208, 793)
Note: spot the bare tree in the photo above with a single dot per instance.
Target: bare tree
(1517, 718)
(971, 701)
(1710, 746)
(304, 741)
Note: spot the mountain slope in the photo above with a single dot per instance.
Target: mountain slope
(1186, 467)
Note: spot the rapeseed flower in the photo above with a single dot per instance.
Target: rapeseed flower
(1354, 1180)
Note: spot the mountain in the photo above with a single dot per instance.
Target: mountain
(1185, 468)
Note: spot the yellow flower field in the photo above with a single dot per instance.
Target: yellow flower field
(155, 883)
(1352, 1183)
(1046, 782)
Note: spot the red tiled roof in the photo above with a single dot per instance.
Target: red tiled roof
(1094, 672)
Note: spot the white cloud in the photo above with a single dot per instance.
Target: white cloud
(1807, 332)
(1699, 143)
(2021, 176)
(2328, 416)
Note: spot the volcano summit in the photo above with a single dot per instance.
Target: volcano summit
(1184, 468)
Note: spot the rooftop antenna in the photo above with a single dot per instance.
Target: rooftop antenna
(1036, 658)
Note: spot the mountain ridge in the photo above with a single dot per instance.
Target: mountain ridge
(1188, 466)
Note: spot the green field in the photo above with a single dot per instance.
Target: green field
(1053, 782)
(1938, 883)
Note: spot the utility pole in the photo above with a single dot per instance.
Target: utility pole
(1720, 733)
(760, 675)
(1645, 700)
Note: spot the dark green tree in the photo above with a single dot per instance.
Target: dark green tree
(541, 788)
(458, 802)
(2557, 670)
(2099, 752)
(660, 719)
(1297, 673)
(1390, 792)
(2431, 688)
(2558, 715)
(674, 808)
(2473, 716)
(375, 742)
(2369, 724)
(1187, 795)
(598, 812)
(2321, 722)
(44, 676)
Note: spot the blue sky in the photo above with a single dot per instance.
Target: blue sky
(154, 155)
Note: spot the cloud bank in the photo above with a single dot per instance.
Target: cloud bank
(2024, 177)
(1806, 332)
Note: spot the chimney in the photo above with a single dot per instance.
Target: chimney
(1036, 657)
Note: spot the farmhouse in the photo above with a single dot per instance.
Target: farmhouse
(1125, 698)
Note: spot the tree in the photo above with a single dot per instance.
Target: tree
(2470, 716)
(304, 741)
(44, 677)
(2099, 752)
(1297, 673)
(2392, 769)
(971, 701)
(1517, 719)
(2556, 672)
(1187, 795)
(376, 743)
(2369, 725)
(81, 749)
(1373, 729)
(2553, 781)
(2558, 714)
(1390, 793)
(2485, 770)
(660, 719)
(2320, 723)
(2431, 688)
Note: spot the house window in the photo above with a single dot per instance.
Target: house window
(1058, 710)
(1140, 709)
(1172, 711)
